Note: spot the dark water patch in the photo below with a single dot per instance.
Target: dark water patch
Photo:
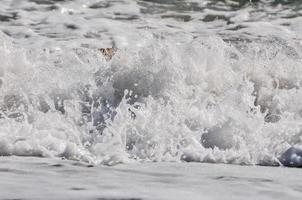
(51, 8)
(57, 165)
(162, 6)
(145, 27)
(292, 16)
(184, 18)
(237, 4)
(77, 188)
(111, 198)
(6, 32)
(234, 5)
(247, 179)
(101, 4)
(272, 118)
(211, 17)
(30, 9)
(154, 174)
(269, 163)
(71, 26)
(93, 34)
(52, 35)
(42, 163)
(47, 2)
(165, 1)
(236, 28)
(297, 188)
(286, 2)
(8, 17)
(38, 24)
(79, 164)
(47, 7)
(285, 24)
(171, 26)
(122, 16)
(13, 171)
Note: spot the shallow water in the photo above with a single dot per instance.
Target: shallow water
(204, 81)
(43, 178)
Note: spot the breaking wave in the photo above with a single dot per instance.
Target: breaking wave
(203, 100)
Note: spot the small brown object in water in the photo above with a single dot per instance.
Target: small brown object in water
(108, 53)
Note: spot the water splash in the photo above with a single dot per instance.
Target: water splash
(201, 100)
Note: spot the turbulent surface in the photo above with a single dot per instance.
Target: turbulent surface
(205, 81)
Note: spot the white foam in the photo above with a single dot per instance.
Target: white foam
(246, 99)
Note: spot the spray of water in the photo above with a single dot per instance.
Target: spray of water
(202, 100)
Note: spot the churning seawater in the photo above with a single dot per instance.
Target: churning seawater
(191, 80)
